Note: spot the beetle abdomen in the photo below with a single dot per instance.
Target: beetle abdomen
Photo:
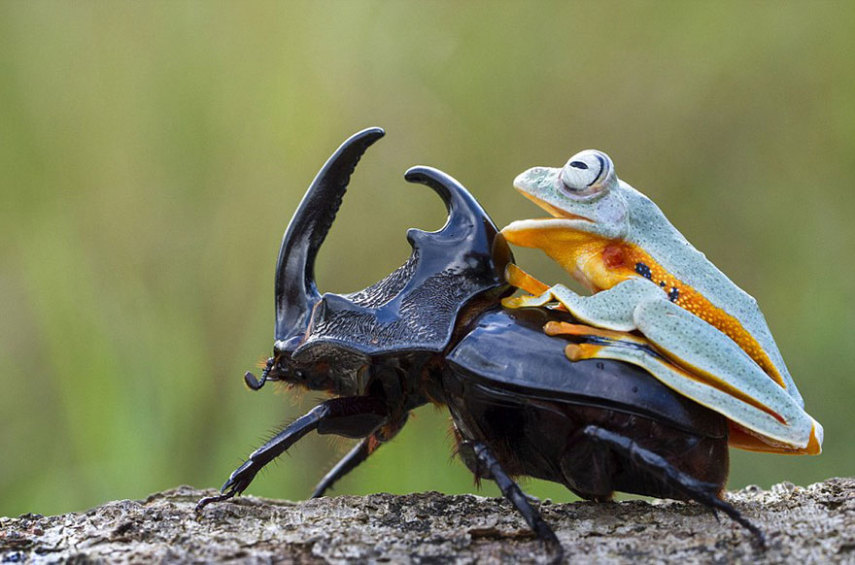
(547, 439)
(510, 386)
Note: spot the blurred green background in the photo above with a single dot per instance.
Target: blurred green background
(151, 155)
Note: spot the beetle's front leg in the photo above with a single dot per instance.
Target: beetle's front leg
(359, 454)
(611, 309)
(353, 416)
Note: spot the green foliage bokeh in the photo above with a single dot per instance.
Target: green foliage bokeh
(152, 153)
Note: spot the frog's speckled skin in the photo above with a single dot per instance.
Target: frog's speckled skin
(647, 277)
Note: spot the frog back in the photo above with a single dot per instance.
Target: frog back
(656, 250)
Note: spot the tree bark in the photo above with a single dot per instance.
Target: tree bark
(814, 524)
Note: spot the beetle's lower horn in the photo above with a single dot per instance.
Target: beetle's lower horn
(296, 291)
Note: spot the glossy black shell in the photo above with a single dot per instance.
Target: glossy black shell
(508, 349)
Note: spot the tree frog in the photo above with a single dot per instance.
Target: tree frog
(700, 334)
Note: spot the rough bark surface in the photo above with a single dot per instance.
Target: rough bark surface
(814, 524)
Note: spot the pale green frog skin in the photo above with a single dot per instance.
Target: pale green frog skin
(716, 346)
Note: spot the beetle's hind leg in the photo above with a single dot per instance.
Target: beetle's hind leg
(359, 454)
(661, 470)
(353, 416)
(515, 495)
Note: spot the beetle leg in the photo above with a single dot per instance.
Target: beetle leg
(660, 469)
(347, 464)
(515, 495)
(358, 454)
(353, 416)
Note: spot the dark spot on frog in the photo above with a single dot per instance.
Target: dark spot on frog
(578, 165)
(643, 270)
(662, 283)
(674, 294)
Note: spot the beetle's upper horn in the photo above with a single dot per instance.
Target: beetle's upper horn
(296, 291)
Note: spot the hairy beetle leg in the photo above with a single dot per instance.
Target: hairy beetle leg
(347, 464)
(359, 454)
(515, 495)
(658, 467)
(352, 416)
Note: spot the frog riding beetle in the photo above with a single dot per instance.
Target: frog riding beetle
(434, 331)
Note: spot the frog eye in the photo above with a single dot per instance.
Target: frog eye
(586, 173)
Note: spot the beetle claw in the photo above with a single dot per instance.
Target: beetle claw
(209, 499)
(715, 515)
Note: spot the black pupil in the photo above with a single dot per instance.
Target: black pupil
(578, 165)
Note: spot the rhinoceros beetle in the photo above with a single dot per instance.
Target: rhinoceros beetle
(434, 331)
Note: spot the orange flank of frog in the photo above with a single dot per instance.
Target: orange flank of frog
(630, 260)
(600, 263)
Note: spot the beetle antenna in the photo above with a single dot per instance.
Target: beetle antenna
(254, 383)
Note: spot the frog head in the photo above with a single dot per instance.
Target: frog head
(584, 193)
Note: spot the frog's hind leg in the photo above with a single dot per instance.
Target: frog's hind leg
(745, 393)
(596, 343)
(638, 351)
(685, 362)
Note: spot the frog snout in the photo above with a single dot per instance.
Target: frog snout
(532, 178)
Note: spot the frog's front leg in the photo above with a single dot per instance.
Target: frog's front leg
(611, 309)
(518, 278)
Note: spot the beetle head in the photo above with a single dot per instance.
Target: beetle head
(340, 343)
